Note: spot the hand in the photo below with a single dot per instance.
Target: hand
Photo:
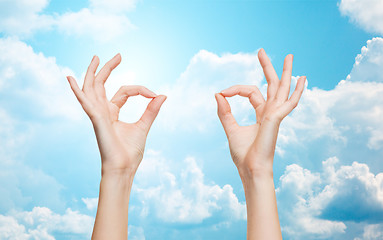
(121, 144)
(252, 147)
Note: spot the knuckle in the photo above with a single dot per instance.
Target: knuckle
(294, 104)
(252, 94)
(267, 64)
(286, 70)
(109, 67)
(151, 108)
(124, 88)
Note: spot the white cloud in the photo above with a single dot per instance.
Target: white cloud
(33, 82)
(22, 185)
(42, 223)
(98, 24)
(372, 232)
(136, 233)
(186, 198)
(102, 21)
(368, 14)
(318, 205)
(91, 203)
(23, 17)
(192, 96)
(368, 64)
(353, 108)
(33, 89)
(298, 217)
(11, 229)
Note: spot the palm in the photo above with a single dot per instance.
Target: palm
(130, 135)
(240, 142)
(133, 139)
(243, 139)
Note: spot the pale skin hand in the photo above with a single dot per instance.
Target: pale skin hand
(121, 144)
(252, 147)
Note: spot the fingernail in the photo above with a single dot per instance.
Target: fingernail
(304, 77)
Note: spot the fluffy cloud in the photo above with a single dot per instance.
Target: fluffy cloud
(192, 96)
(185, 198)
(23, 17)
(10, 228)
(34, 81)
(318, 205)
(33, 89)
(136, 233)
(91, 203)
(353, 107)
(353, 193)
(42, 223)
(22, 185)
(368, 14)
(368, 64)
(102, 20)
(372, 232)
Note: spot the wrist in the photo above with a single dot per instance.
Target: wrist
(118, 172)
(255, 180)
(272, 121)
(255, 172)
(117, 179)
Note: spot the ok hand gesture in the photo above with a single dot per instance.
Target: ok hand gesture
(121, 144)
(252, 147)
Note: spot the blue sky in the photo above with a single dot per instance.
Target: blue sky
(328, 167)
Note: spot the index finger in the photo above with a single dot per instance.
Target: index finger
(122, 95)
(251, 92)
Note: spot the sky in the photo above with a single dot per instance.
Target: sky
(328, 169)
